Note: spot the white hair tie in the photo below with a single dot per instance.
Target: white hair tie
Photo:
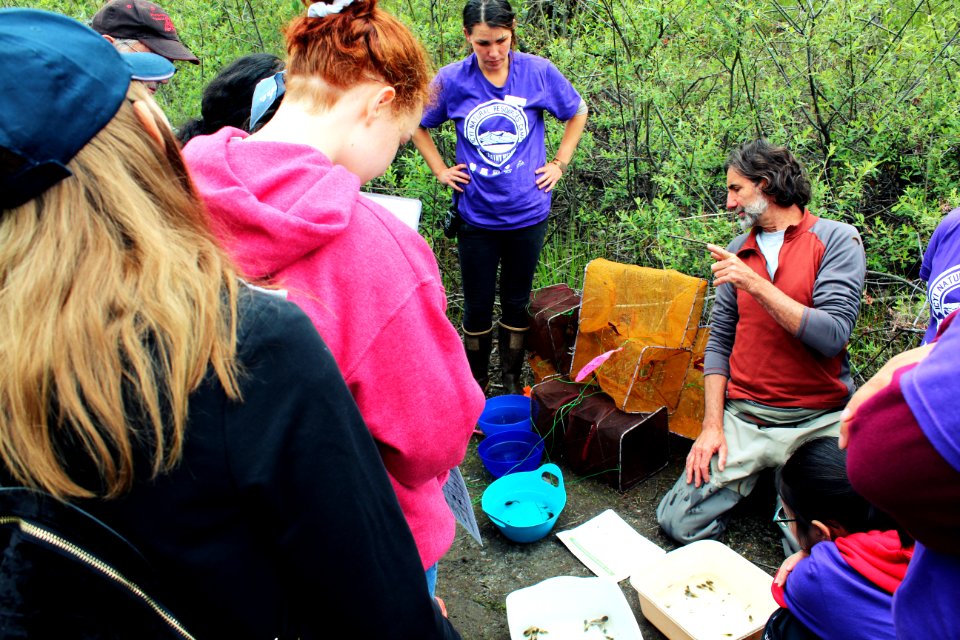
(322, 9)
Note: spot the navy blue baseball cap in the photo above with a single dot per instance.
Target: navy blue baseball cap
(60, 83)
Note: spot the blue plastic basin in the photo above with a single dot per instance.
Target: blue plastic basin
(505, 413)
(526, 505)
(510, 452)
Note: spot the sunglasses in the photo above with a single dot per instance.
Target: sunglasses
(780, 517)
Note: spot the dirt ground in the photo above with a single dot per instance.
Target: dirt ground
(474, 581)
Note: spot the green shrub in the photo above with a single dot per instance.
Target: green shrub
(865, 92)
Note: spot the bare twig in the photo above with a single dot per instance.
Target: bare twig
(702, 243)
(889, 276)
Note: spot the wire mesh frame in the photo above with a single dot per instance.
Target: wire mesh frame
(665, 329)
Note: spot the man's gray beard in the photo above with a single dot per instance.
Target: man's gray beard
(752, 213)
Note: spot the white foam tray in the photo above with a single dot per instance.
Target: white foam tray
(561, 605)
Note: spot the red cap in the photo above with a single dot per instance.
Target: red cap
(143, 21)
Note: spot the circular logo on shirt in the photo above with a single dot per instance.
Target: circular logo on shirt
(943, 293)
(496, 128)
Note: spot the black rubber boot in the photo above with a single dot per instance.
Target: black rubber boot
(512, 343)
(478, 347)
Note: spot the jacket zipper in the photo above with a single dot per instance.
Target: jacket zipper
(99, 565)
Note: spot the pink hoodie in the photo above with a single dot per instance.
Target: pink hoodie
(372, 288)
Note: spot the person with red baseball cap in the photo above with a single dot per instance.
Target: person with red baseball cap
(138, 25)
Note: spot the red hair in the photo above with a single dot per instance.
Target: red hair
(361, 43)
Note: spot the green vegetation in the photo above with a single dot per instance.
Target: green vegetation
(865, 92)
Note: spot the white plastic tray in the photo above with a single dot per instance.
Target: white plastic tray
(561, 605)
(705, 591)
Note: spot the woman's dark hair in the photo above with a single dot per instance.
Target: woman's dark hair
(785, 180)
(494, 13)
(813, 484)
(226, 100)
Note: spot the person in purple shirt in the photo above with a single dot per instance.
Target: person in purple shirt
(853, 556)
(903, 432)
(941, 271)
(502, 180)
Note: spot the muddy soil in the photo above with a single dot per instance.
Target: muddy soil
(474, 580)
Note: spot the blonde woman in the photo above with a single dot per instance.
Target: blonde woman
(202, 420)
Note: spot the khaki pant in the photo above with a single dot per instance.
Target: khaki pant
(688, 513)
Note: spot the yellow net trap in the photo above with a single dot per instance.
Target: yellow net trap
(650, 320)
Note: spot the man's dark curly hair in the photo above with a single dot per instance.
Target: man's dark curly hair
(782, 177)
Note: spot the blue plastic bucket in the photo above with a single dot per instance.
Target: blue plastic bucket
(525, 506)
(510, 452)
(505, 413)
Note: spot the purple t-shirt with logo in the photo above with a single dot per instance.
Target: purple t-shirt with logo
(941, 271)
(500, 135)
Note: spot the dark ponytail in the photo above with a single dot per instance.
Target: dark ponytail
(813, 484)
(226, 100)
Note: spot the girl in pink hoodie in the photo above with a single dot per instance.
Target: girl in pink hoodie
(286, 204)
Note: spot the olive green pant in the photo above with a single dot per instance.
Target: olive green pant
(687, 513)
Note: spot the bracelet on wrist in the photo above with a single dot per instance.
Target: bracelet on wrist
(560, 163)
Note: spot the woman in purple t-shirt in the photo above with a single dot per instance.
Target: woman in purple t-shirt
(496, 97)
(903, 431)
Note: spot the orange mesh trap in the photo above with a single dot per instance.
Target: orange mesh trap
(652, 316)
(687, 420)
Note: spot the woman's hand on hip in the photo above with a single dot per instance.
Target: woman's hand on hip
(549, 175)
(454, 176)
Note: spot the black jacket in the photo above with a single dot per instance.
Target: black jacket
(64, 574)
(280, 521)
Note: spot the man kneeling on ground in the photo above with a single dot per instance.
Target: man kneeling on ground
(776, 369)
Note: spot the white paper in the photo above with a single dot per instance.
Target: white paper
(559, 606)
(458, 499)
(407, 209)
(610, 547)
